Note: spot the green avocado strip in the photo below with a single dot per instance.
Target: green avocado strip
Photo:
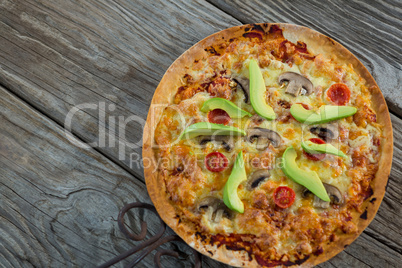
(206, 128)
(257, 92)
(327, 113)
(228, 106)
(314, 148)
(237, 176)
(307, 178)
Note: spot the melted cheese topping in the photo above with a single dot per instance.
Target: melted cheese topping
(301, 229)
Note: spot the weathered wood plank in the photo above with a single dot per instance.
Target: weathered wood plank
(365, 252)
(111, 54)
(58, 202)
(372, 30)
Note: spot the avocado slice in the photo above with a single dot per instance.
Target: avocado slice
(228, 106)
(257, 92)
(313, 148)
(307, 178)
(238, 175)
(206, 128)
(327, 113)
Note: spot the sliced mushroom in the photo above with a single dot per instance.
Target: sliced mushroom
(215, 208)
(226, 141)
(264, 137)
(297, 84)
(256, 178)
(333, 192)
(326, 132)
(244, 84)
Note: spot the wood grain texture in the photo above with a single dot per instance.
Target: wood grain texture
(59, 54)
(371, 30)
(58, 202)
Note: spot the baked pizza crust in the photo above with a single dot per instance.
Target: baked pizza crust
(167, 88)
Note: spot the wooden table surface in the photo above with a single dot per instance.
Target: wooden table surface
(81, 72)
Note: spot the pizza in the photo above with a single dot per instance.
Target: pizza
(267, 145)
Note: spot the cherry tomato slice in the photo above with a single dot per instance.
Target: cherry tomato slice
(317, 141)
(305, 106)
(284, 196)
(315, 157)
(218, 116)
(339, 94)
(216, 162)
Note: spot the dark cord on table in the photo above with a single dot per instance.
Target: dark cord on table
(148, 245)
